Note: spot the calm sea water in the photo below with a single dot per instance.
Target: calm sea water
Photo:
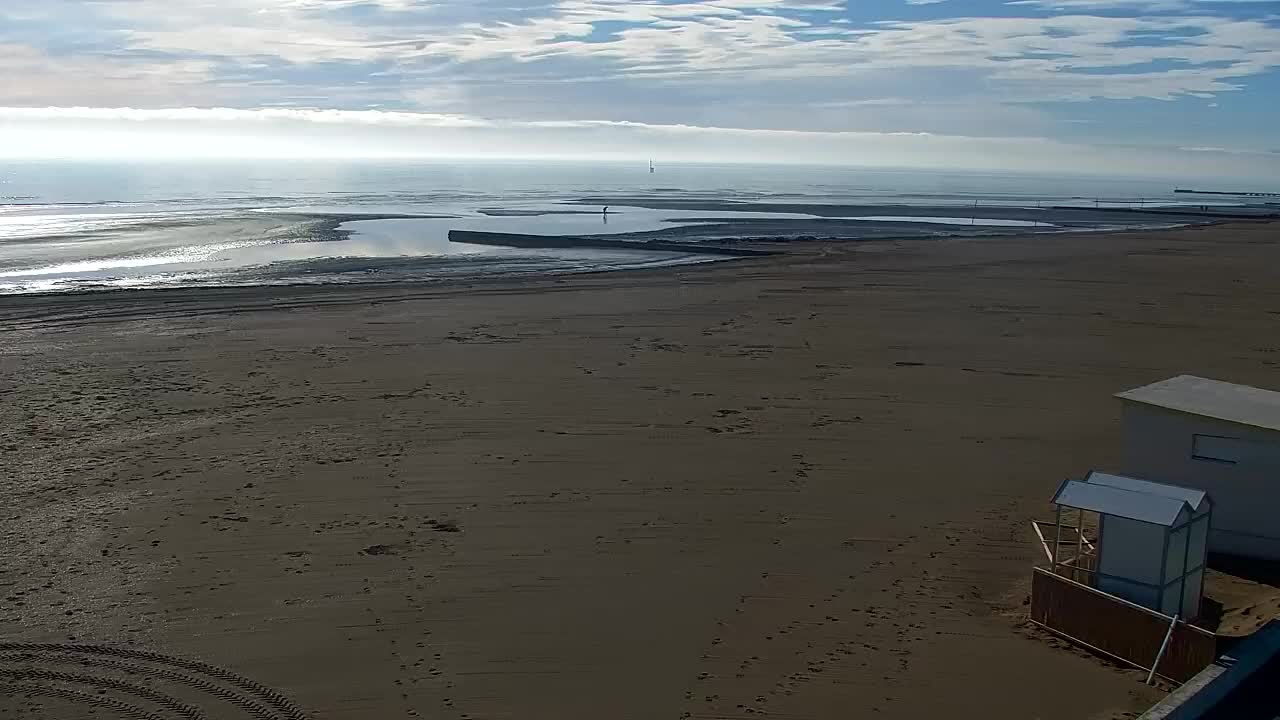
(75, 226)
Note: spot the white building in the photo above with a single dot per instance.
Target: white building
(1217, 437)
(1151, 540)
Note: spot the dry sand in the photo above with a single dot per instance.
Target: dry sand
(784, 487)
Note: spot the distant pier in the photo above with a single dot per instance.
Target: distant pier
(1220, 192)
(477, 237)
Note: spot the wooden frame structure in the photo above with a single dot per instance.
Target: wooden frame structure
(1080, 565)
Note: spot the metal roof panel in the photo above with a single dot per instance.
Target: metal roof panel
(1212, 398)
(1195, 498)
(1146, 507)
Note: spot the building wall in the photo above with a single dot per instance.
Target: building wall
(1195, 580)
(1192, 592)
(1129, 560)
(1176, 565)
(1175, 560)
(1161, 445)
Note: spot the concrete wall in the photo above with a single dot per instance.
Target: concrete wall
(1160, 445)
(1240, 686)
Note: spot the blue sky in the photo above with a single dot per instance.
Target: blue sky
(1180, 76)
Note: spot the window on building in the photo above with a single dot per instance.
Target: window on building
(1213, 448)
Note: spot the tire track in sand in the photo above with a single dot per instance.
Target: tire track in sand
(30, 669)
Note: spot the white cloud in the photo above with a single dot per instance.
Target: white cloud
(29, 75)
(709, 43)
(1144, 5)
(778, 63)
(1074, 57)
(233, 115)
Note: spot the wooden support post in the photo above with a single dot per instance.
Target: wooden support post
(1079, 544)
(1043, 543)
(1057, 537)
(1163, 646)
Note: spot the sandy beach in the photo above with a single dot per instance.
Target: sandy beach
(793, 486)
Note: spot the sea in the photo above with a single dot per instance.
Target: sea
(111, 226)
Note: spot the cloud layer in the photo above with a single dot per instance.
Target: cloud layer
(1073, 69)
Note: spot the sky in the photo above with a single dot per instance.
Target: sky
(1139, 87)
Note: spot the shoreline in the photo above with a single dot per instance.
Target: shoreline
(331, 247)
(206, 298)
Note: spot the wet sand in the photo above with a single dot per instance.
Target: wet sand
(795, 486)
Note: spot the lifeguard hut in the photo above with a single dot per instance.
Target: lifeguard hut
(1151, 540)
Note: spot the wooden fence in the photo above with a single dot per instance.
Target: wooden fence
(1119, 628)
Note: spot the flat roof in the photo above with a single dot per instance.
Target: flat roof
(1194, 498)
(1212, 398)
(1146, 507)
